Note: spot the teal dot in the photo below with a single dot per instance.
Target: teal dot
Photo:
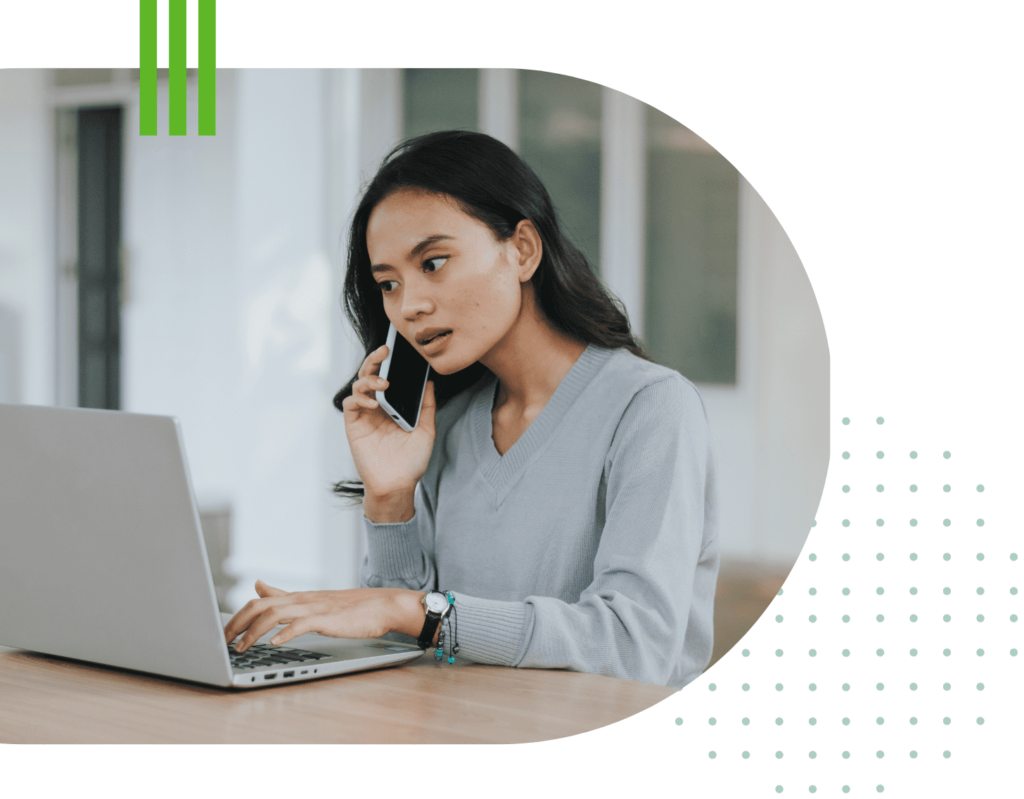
(913, 522)
(778, 756)
(846, 592)
(879, 617)
(812, 618)
(913, 719)
(981, 720)
(812, 557)
(778, 722)
(980, 488)
(880, 523)
(746, 721)
(746, 652)
(846, 489)
(678, 722)
(913, 617)
(879, 720)
(880, 420)
(946, 754)
(846, 456)
(778, 618)
(846, 755)
(812, 754)
(946, 454)
(812, 789)
(846, 686)
(880, 788)
(880, 687)
(879, 556)
(879, 454)
(746, 755)
(946, 556)
(846, 789)
(913, 556)
(712, 721)
(981, 686)
(879, 590)
(913, 489)
(981, 556)
(846, 722)
(812, 721)
(846, 653)
(946, 652)
(778, 653)
(712, 755)
(879, 652)
(946, 617)
(778, 686)
(913, 592)
(946, 686)
(813, 687)
(946, 488)
(981, 653)
(946, 522)
(981, 522)
(913, 454)
(846, 619)
(980, 590)
(913, 753)
(1013, 556)
(947, 721)
(880, 488)
(712, 687)
(913, 686)
(846, 556)
(846, 420)
(913, 653)
(813, 591)
(746, 686)
(981, 617)
(879, 754)
(946, 590)
(813, 653)
(846, 522)
(1013, 591)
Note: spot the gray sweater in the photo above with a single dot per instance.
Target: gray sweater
(589, 545)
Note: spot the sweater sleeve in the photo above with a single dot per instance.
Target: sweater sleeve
(647, 614)
(400, 555)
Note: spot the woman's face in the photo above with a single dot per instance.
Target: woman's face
(449, 286)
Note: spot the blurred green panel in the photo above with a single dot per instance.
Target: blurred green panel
(439, 99)
(691, 252)
(560, 138)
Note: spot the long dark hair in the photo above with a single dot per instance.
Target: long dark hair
(494, 185)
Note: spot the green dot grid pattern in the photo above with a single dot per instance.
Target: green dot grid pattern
(949, 602)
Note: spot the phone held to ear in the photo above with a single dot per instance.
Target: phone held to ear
(406, 372)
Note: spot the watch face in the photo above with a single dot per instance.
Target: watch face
(436, 602)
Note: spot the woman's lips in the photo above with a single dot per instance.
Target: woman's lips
(436, 344)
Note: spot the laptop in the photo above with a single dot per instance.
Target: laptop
(102, 557)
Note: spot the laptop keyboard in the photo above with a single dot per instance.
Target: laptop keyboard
(259, 656)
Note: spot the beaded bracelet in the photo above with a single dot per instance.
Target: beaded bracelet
(449, 618)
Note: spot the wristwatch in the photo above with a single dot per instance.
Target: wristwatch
(437, 607)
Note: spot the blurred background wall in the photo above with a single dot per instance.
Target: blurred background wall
(201, 277)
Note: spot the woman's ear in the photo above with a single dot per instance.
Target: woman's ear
(529, 248)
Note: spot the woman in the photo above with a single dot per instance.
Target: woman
(559, 485)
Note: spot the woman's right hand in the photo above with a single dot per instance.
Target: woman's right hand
(389, 460)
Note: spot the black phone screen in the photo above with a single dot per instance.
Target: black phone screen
(406, 376)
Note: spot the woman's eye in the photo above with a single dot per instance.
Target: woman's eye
(386, 285)
(433, 264)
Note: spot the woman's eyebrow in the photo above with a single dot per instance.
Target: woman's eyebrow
(375, 268)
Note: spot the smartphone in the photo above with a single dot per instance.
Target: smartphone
(406, 372)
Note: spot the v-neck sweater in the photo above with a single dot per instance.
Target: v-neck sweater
(590, 545)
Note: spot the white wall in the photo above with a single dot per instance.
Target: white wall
(27, 364)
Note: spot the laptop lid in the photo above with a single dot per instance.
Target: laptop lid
(101, 552)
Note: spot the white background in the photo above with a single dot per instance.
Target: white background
(885, 138)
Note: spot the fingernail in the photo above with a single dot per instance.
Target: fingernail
(274, 640)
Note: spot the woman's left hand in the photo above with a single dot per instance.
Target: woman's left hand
(354, 613)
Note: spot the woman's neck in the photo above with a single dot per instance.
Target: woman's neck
(531, 360)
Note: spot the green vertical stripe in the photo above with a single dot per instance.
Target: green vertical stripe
(147, 67)
(207, 67)
(176, 62)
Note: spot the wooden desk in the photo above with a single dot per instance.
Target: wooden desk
(53, 700)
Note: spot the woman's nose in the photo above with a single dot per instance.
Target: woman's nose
(416, 299)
